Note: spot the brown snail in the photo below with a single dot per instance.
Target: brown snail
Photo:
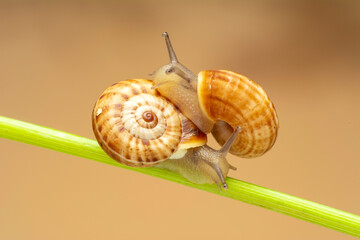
(138, 127)
(219, 101)
(137, 121)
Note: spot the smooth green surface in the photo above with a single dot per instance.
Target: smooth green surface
(238, 190)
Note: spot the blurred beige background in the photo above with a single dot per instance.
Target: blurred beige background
(56, 58)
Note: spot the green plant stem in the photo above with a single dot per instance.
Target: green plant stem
(238, 190)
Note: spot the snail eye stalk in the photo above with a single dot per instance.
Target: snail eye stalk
(175, 66)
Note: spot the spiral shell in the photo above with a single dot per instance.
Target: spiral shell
(137, 127)
(232, 100)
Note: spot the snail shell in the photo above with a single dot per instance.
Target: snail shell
(137, 127)
(223, 100)
(231, 100)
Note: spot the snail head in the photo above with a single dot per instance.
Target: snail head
(178, 84)
(174, 72)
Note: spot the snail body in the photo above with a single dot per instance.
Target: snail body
(138, 127)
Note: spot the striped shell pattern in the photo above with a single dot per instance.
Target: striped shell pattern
(138, 127)
(232, 100)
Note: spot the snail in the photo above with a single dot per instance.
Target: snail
(163, 122)
(138, 127)
(219, 101)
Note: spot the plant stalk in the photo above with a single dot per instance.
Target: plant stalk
(239, 190)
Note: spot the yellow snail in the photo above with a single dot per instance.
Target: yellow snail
(137, 122)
